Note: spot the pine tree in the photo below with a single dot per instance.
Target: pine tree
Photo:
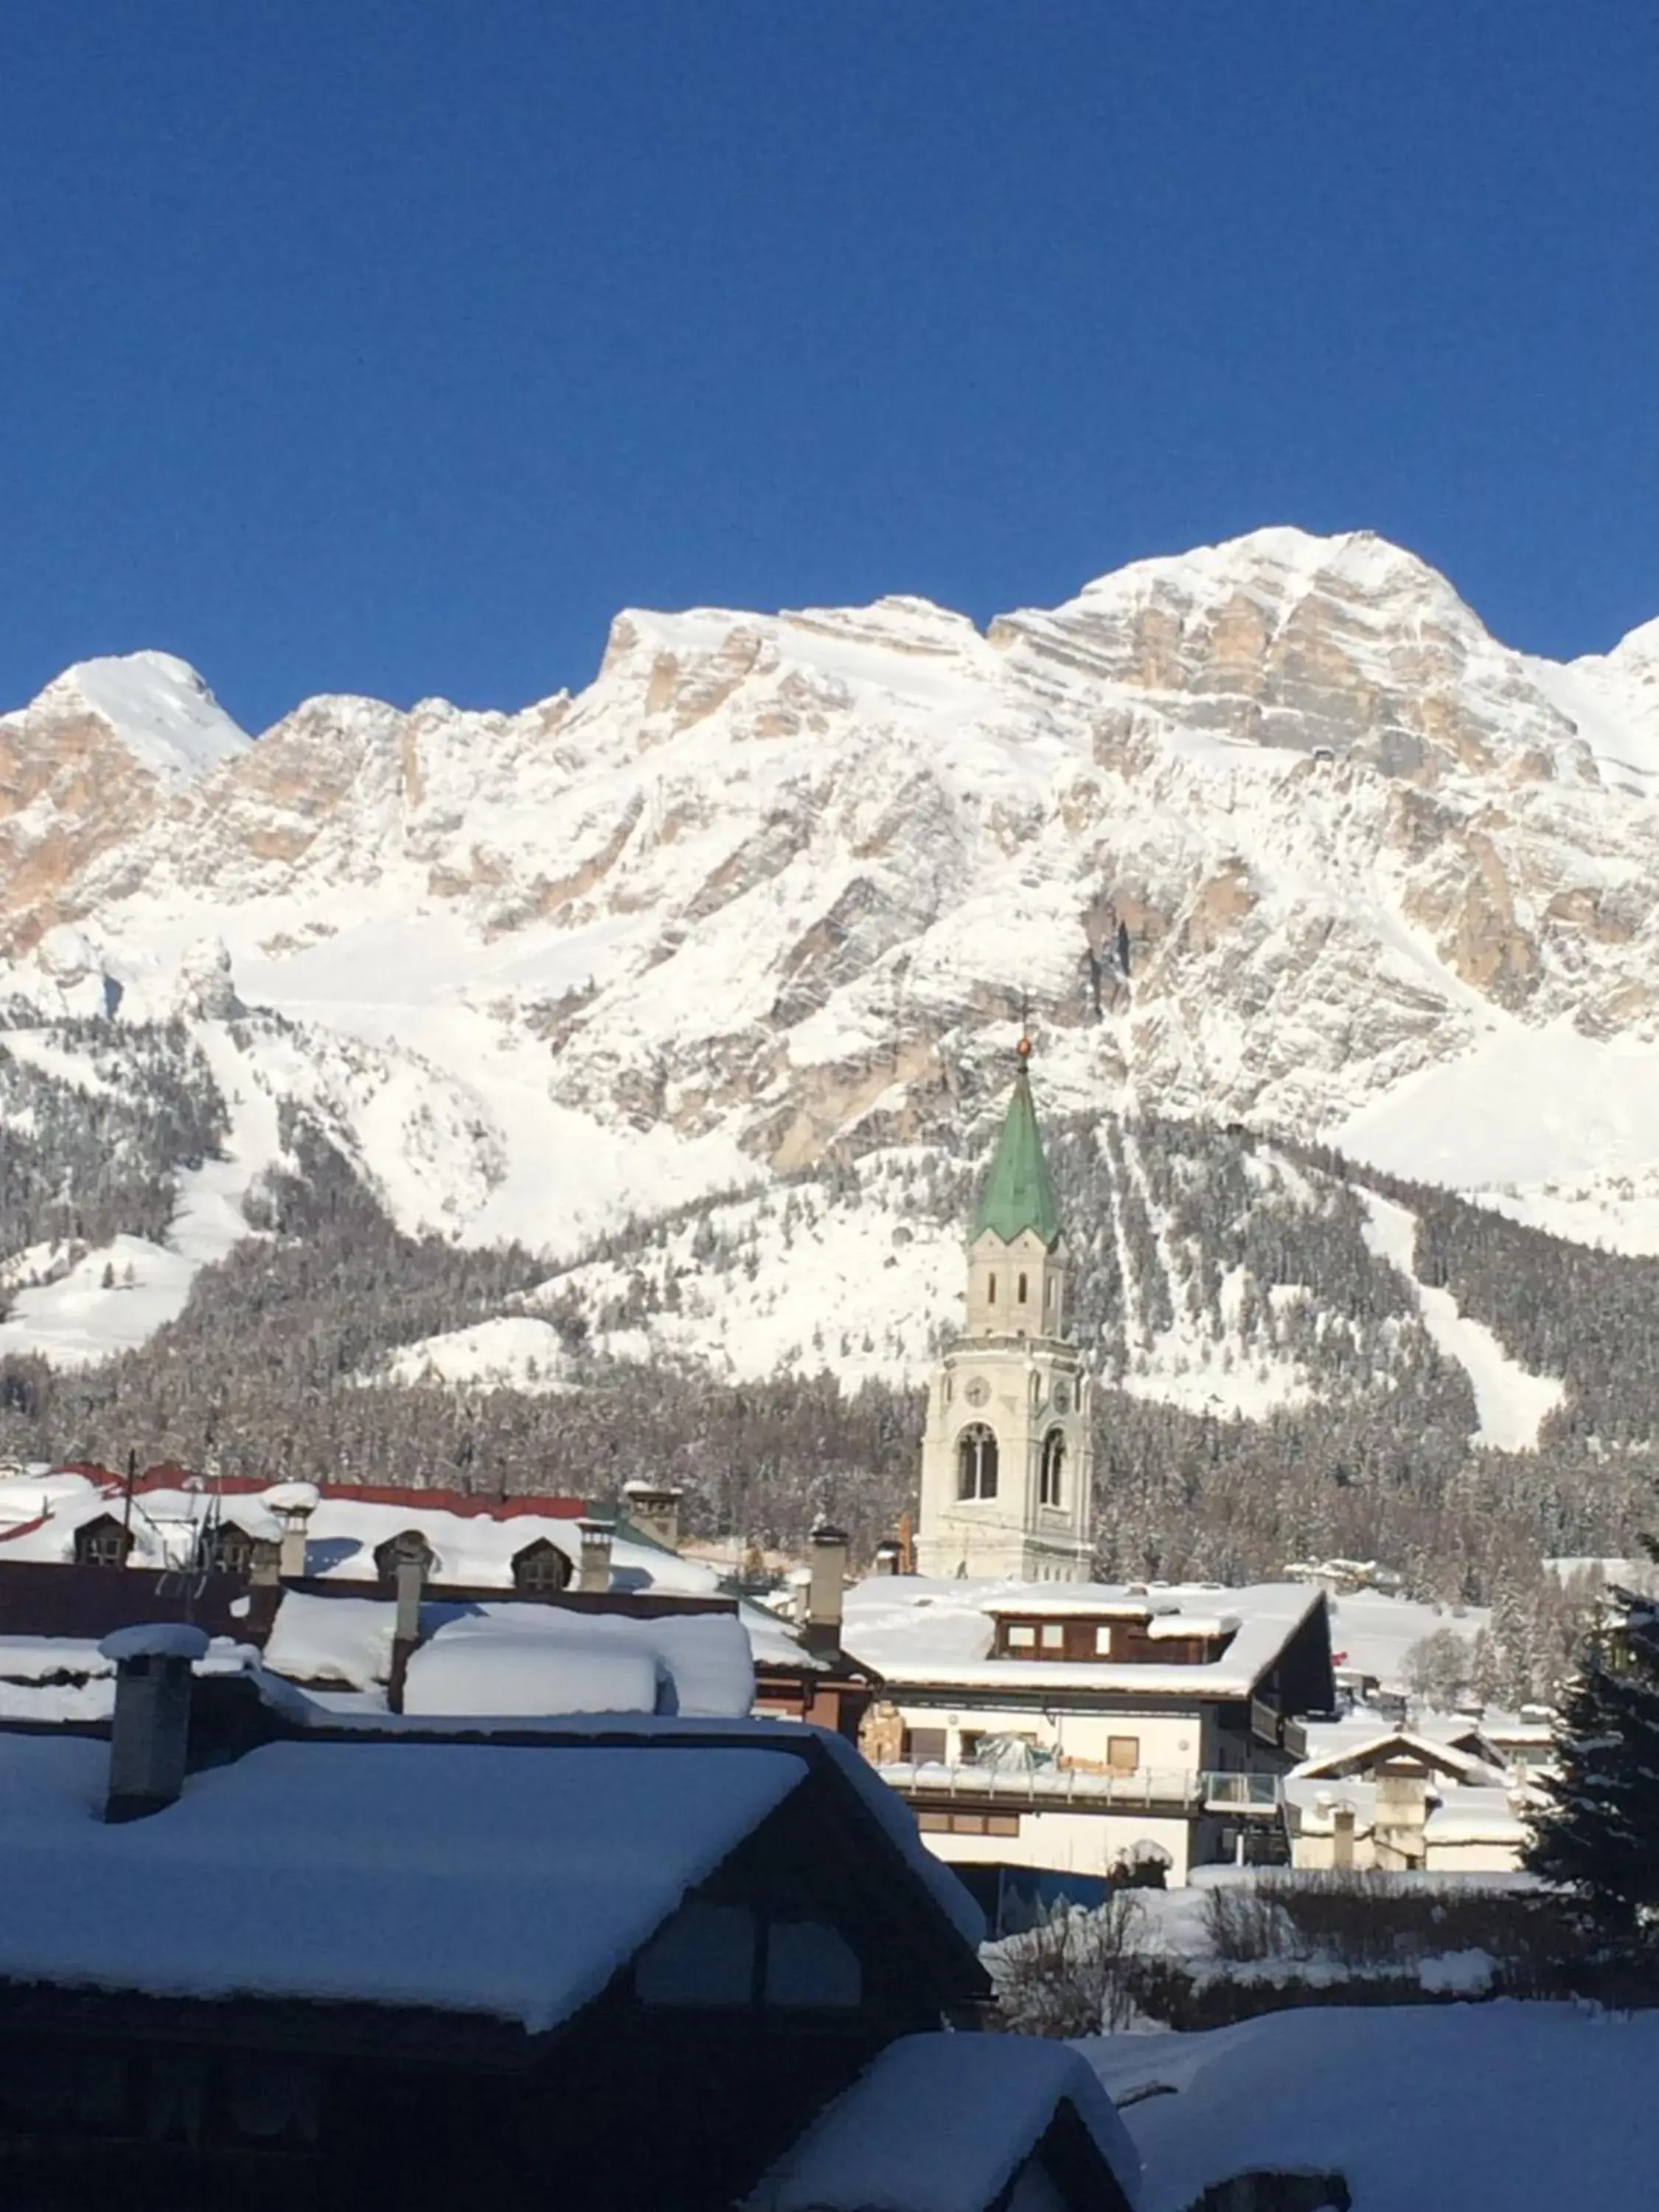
(1599, 1837)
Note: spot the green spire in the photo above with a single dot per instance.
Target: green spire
(1017, 1194)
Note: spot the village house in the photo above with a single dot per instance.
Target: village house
(314, 1576)
(1401, 1799)
(1084, 1730)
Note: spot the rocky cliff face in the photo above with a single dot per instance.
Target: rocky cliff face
(1272, 831)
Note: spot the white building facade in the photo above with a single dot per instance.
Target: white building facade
(1073, 1729)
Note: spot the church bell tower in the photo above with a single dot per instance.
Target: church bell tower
(1006, 1459)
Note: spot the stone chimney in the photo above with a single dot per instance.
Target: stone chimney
(150, 1734)
(1342, 1827)
(1402, 1812)
(412, 1562)
(594, 1572)
(655, 1509)
(827, 1591)
(293, 1503)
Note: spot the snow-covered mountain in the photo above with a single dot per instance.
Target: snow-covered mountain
(1273, 832)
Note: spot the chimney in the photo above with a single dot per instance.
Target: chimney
(655, 1509)
(412, 1559)
(1342, 1825)
(1402, 1812)
(594, 1572)
(150, 1734)
(293, 1503)
(826, 1592)
(889, 1553)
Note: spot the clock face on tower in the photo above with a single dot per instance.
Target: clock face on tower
(977, 1391)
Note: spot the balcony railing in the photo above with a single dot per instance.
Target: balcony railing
(1174, 1789)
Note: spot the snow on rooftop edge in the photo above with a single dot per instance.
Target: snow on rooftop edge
(472, 1878)
(940, 2123)
(156, 1639)
(50, 1788)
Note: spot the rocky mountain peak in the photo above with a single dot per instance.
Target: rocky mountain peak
(1273, 829)
(155, 705)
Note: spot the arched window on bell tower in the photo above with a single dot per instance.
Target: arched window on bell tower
(1051, 1474)
(976, 1461)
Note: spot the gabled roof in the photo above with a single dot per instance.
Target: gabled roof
(1354, 1758)
(1017, 1194)
(510, 1880)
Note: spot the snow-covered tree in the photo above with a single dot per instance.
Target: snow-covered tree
(1599, 1835)
(1437, 1667)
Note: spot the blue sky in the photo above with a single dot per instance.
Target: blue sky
(392, 345)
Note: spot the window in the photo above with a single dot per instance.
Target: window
(810, 1963)
(1048, 1293)
(976, 1461)
(102, 1543)
(704, 1956)
(541, 1569)
(1053, 1635)
(1051, 1474)
(1020, 1291)
(230, 1551)
(1102, 1644)
(925, 1746)
(968, 1824)
(990, 1290)
(410, 1543)
(1123, 1753)
(1021, 1636)
(727, 1956)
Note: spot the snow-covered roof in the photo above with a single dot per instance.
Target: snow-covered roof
(1477, 1816)
(508, 1880)
(61, 1678)
(521, 1658)
(39, 1513)
(1375, 1744)
(1092, 1601)
(939, 1632)
(45, 1658)
(474, 1541)
(1421, 2108)
(156, 1639)
(1457, 1815)
(473, 1878)
(538, 1659)
(943, 2123)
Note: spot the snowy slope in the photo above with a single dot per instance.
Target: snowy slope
(1511, 1403)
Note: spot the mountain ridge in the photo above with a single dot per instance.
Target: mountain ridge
(1270, 832)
